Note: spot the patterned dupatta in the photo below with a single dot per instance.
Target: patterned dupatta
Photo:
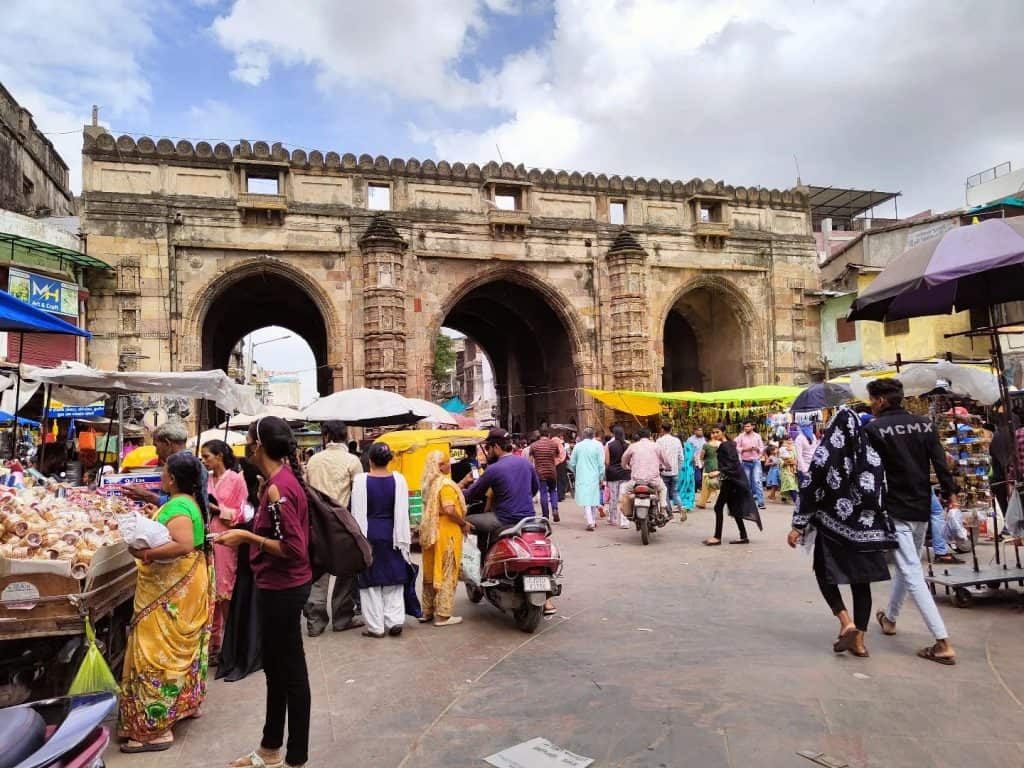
(843, 496)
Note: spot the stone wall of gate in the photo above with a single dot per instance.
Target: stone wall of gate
(177, 218)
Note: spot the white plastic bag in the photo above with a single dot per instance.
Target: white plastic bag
(1015, 515)
(470, 565)
(141, 532)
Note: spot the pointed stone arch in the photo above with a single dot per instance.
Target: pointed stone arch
(232, 285)
(728, 336)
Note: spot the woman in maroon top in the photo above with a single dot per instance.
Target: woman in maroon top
(279, 547)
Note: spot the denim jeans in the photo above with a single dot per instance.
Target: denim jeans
(753, 470)
(672, 490)
(909, 578)
(939, 545)
(548, 490)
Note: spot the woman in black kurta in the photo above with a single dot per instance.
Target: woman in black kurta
(734, 492)
(842, 503)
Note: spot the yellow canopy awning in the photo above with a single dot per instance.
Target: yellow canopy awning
(650, 403)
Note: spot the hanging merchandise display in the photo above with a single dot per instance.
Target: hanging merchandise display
(966, 441)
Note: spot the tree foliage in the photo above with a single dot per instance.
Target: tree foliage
(444, 357)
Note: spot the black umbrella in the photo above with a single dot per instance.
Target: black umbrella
(822, 395)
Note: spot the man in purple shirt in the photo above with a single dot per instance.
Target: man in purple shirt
(513, 483)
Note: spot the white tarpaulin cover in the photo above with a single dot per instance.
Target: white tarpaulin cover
(365, 407)
(975, 382)
(233, 438)
(438, 415)
(243, 420)
(206, 385)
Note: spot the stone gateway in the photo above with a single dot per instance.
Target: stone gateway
(566, 280)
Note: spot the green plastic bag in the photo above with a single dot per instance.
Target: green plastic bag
(94, 675)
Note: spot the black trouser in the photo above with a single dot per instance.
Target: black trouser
(284, 663)
(562, 473)
(485, 524)
(861, 601)
(343, 603)
(720, 518)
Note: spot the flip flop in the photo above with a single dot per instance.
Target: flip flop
(882, 618)
(451, 621)
(929, 654)
(845, 641)
(740, 541)
(712, 543)
(255, 761)
(160, 746)
(425, 619)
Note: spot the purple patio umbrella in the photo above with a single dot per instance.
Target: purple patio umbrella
(966, 268)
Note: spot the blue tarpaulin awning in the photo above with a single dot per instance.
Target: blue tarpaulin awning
(455, 405)
(17, 316)
(6, 418)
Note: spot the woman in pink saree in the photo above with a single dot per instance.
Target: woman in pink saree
(227, 509)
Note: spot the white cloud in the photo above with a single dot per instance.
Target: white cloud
(407, 49)
(57, 58)
(890, 95)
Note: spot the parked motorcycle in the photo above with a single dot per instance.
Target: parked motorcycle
(56, 733)
(521, 572)
(648, 516)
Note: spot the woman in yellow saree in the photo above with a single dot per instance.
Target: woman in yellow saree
(165, 662)
(441, 530)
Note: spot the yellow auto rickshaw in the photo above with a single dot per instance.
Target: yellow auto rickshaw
(411, 448)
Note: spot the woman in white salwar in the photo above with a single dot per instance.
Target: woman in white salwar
(380, 504)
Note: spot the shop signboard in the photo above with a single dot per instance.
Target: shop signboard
(62, 411)
(111, 484)
(46, 293)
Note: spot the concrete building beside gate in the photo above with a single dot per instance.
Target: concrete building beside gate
(42, 255)
(564, 279)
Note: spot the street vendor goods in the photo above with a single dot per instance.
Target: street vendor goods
(38, 525)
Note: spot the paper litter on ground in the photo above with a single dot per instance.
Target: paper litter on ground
(537, 753)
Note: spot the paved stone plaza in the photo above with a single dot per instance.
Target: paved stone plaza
(671, 655)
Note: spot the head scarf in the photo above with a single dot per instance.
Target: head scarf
(433, 481)
(843, 495)
(808, 430)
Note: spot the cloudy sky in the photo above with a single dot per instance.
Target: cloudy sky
(900, 95)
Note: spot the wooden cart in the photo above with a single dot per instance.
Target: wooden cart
(42, 626)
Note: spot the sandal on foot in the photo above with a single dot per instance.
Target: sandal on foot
(930, 654)
(550, 611)
(138, 747)
(740, 541)
(883, 620)
(845, 641)
(451, 621)
(712, 542)
(425, 619)
(374, 635)
(255, 760)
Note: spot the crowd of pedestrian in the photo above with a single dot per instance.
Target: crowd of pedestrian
(860, 489)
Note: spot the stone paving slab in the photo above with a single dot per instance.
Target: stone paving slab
(735, 670)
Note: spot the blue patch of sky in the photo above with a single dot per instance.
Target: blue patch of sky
(186, 68)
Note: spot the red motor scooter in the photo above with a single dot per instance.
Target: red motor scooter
(521, 572)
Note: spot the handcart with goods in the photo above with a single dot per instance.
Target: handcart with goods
(61, 558)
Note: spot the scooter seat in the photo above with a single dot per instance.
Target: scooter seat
(22, 732)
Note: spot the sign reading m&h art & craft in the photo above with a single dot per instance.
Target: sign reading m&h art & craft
(46, 293)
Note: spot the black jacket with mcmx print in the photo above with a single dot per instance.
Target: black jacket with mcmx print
(907, 444)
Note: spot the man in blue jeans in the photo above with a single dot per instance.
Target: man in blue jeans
(750, 446)
(908, 448)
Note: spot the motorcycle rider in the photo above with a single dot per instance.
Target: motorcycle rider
(513, 483)
(645, 462)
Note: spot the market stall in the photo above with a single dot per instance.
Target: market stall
(974, 267)
(688, 409)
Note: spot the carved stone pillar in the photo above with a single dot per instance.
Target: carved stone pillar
(627, 272)
(384, 306)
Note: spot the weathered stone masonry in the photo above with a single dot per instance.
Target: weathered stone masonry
(369, 290)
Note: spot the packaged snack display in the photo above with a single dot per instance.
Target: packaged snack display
(966, 443)
(39, 525)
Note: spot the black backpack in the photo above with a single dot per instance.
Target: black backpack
(336, 544)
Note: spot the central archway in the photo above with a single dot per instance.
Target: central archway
(531, 344)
